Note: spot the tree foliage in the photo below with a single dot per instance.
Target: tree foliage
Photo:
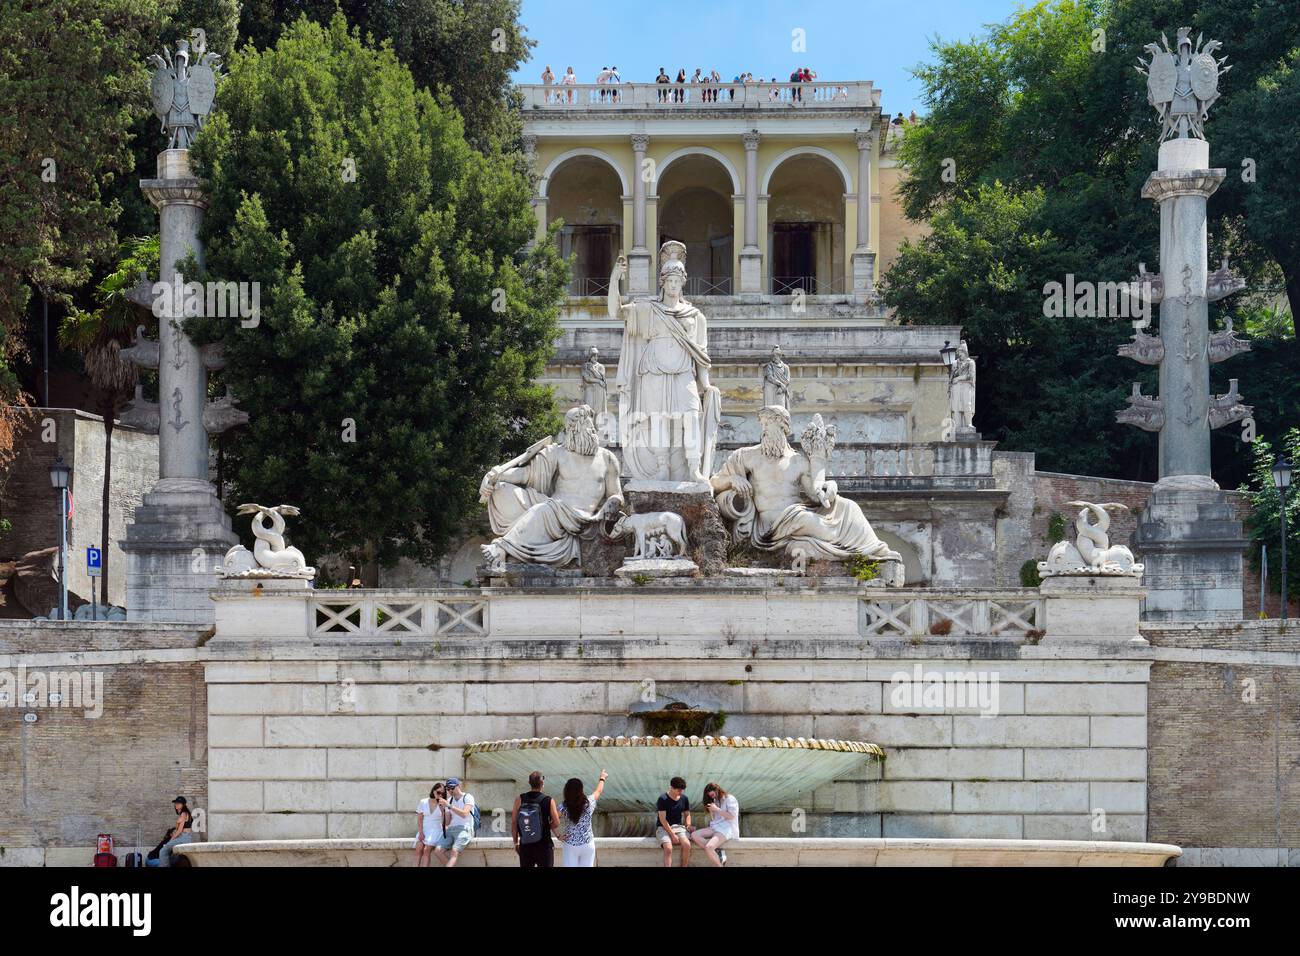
(467, 48)
(1265, 524)
(1044, 131)
(396, 303)
(72, 84)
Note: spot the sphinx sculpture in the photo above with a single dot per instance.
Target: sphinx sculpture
(270, 557)
(542, 501)
(777, 499)
(1091, 552)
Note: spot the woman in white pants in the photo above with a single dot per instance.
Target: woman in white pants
(577, 841)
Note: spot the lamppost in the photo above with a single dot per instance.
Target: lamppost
(948, 354)
(1282, 481)
(59, 477)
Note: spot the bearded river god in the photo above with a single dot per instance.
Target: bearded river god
(778, 499)
(668, 412)
(541, 502)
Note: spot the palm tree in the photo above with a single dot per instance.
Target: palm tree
(100, 335)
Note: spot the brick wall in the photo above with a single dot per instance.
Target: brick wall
(1221, 765)
(69, 776)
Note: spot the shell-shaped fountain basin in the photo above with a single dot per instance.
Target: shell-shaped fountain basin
(764, 773)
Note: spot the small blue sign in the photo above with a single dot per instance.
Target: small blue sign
(93, 562)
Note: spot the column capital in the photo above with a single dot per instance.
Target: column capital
(750, 138)
(640, 142)
(865, 138)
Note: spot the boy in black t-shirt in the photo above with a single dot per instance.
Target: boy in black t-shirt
(673, 818)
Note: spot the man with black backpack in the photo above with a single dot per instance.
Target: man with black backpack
(533, 819)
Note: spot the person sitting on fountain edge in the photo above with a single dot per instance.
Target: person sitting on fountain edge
(673, 817)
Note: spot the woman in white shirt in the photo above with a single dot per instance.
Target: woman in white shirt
(724, 823)
(577, 841)
(430, 823)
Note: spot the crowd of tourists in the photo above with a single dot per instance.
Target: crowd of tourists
(711, 86)
(447, 820)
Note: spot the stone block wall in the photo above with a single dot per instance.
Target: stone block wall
(343, 740)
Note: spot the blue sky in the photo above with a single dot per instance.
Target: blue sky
(846, 39)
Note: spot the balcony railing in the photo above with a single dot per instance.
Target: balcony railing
(582, 286)
(858, 94)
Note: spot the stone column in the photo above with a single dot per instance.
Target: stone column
(181, 531)
(751, 257)
(638, 261)
(538, 201)
(1189, 537)
(864, 260)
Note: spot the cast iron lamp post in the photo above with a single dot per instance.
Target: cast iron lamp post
(1282, 481)
(60, 474)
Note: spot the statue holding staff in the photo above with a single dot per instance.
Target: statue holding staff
(668, 411)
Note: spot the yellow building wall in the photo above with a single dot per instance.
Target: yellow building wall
(618, 150)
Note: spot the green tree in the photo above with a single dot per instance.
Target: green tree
(402, 322)
(72, 83)
(1264, 523)
(1045, 119)
(466, 48)
(99, 335)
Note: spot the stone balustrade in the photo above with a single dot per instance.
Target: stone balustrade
(807, 609)
(818, 94)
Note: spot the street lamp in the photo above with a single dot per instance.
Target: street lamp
(948, 354)
(1282, 481)
(60, 475)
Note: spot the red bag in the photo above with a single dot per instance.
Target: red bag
(105, 859)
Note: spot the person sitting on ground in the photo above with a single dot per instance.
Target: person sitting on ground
(724, 823)
(532, 821)
(577, 841)
(460, 823)
(182, 832)
(673, 819)
(430, 823)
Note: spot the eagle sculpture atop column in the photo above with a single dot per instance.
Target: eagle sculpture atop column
(183, 94)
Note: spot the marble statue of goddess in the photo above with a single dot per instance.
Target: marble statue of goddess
(668, 412)
(961, 390)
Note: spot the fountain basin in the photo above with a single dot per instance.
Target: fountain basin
(750, 851)
(764, 773)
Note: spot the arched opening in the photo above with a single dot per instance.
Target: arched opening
(805, 215)
(912, 572)
(587, 194)
(695, 208)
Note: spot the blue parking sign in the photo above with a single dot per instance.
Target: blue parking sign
(93, 562)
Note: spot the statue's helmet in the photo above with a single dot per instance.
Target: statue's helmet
(183, 52)
(672, 260)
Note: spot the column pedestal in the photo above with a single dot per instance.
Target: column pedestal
(174, 544)
(1192, 545)
(638, 272)
(864, 275)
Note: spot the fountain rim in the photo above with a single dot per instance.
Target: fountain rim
(708, 740)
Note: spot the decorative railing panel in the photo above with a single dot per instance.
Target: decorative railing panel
(371, 614)
(988, 614)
